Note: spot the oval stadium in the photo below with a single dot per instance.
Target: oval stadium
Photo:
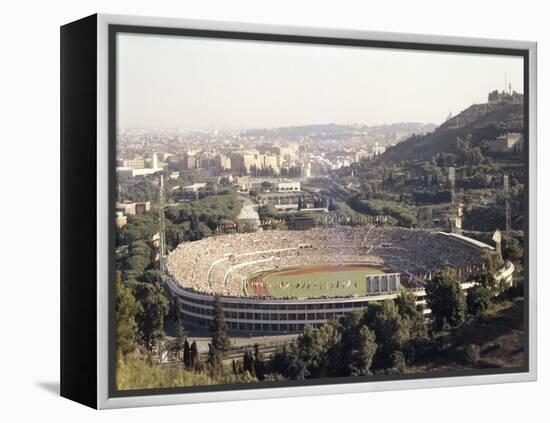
(276, 282)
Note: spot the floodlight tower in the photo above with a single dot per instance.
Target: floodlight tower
(508, 210)
(452, 179)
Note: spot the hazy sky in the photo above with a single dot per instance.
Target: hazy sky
(199, 83)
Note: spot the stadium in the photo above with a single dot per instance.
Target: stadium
(279, 281)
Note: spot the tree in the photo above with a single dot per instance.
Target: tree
(513, 250)
(259, 365)
(472, 354)
(186, 354)
(287, 361)
(399, 364)
(135, 266)
(314, 347)
(178, 329)
(487, 279)
(218, 329)
(126, 309)
(194, 233)
(363, 355)
(150, 319)
(406, 304)
(220, 344)
(491, 261)
(194, 360)
(151, 276)
(214, 362)
(266, 185)
(479, 300)
(343, 346)
(446, 300)
(248, 363)
(391, 330)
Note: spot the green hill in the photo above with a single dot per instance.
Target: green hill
(479, 121)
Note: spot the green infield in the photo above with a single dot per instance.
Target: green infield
(313, 281)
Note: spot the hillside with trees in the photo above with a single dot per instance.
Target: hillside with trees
(478, 122)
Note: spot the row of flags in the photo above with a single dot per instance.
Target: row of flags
(326, 220)
(463, 273)
(270, 222)
(226, 226)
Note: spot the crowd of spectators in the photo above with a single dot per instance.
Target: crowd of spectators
(222, 264)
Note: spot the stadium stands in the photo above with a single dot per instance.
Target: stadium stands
(221, 264)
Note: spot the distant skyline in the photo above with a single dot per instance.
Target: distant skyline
(199, 83)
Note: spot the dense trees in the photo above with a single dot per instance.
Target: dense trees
(126, 309)
(357, 349)
(357, 344)
(479, 299)
(194, 220)
(138, 189)
(150, 318)
(212, 210)
(388, 324)
(140, 227)
(406, 304)
(251, 364)
(512, 250)
(268, 211)
(446, 300)
(377, 207)
(465, 153)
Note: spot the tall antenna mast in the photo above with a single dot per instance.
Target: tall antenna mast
(161, 219)
(453, 210)
(505, 81)
(452, 186)
(508, 210)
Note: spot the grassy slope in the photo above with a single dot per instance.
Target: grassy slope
(499, 335)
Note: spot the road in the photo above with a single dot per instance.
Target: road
(249, 211)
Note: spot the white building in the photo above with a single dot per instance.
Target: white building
(286, 186)
(195, 187)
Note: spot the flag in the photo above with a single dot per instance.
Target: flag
(156, 257)
(155, 240)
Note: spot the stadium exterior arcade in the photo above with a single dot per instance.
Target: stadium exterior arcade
(221, 265)
(255, 315)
